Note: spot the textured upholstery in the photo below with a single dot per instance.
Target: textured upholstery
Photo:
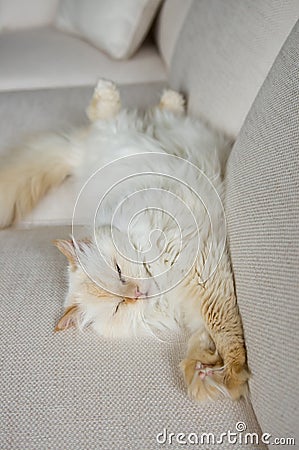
(263, 224)
(45, 58)
(224, 53)
(76, 391)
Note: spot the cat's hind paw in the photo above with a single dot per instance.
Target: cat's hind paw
(105, 102)
(211, 381)
(203, 380)
(172, 101)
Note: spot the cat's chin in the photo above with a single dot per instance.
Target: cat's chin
(119, 318)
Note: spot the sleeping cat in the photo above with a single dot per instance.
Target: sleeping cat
(155, 254)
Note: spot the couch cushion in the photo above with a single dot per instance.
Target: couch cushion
(75, 390)
(224, 52)
(263, 224)
(117, 31)
(46, 58)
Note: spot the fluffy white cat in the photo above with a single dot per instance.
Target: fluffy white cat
(149, 188)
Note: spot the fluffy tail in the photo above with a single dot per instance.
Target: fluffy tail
(27, 173)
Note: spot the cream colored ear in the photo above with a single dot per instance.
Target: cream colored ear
(67, 249)
(69, 318)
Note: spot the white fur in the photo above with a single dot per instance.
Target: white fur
(105, 102)
(172, 101)
(125, 135)
(81, 154)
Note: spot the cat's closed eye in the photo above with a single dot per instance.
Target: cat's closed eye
(119, 273)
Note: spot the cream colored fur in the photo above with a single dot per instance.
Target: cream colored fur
(114, 296)
(29, 172)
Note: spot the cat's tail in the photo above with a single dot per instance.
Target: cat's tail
(28, 172)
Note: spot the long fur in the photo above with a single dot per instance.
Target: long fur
(29, 172)
(119, 298)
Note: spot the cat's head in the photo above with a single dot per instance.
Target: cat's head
(106, 271)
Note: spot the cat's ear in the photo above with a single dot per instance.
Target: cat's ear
(67, 248)
(69, 318)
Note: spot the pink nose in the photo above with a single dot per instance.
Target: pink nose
(138, 293)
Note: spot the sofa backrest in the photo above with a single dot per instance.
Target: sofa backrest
(168, 27)
(223, 53)
(221, 60)
(19, 14)
(262, 208)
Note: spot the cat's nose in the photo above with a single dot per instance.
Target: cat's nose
(138, 293)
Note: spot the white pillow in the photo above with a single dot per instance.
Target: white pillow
(115, 26)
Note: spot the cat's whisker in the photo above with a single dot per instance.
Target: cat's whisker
(117, 306)
(217, 386)
(181, 154)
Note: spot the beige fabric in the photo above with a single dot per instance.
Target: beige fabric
(45, 57)
(224, 53)
(75, 390)
(18, 14)
(169, 25)
(118, 31)
(263, 224)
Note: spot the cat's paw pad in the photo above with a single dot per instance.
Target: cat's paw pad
(204, 381)
(172, 101)
(105, 102)
(207, 370)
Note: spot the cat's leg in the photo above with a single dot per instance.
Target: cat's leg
(223, 322)
(172, 101)
(201, 367)
(105, 102)
(29, 171)
(215, 367)
(215, 364)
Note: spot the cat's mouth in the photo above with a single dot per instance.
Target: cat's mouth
(137, 296)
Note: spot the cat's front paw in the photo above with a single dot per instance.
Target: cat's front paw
(235, 379)
(105, 102)
(172, 101)
(203, 379)
(206, 381)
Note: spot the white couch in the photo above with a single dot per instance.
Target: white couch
(239, 70)
(36, 55)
